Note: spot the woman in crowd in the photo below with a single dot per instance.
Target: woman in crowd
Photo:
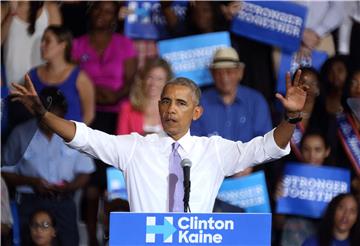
(60, 72)
(141, 113)
(315, 117)
(42, 229)
(340, 225)
(334, 73)
(315, 150)
(110, 60)
(22, 26)
(349, 123)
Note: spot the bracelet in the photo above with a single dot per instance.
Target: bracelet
(293, 120)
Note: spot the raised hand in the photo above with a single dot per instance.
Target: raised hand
(27, 95)
(295, 97)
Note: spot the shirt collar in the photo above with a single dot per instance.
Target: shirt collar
(185, 142)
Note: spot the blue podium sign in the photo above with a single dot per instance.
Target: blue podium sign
(276, 23)
(307, 190)
(190, 56)
(182, 228)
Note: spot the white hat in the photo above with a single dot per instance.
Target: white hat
(226, 57)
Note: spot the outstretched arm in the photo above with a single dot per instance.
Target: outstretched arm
(293, 103)
(27, 95)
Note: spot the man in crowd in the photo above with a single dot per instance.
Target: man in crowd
(231, 110)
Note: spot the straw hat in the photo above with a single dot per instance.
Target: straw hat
(226, 57)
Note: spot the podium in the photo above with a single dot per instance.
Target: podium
(190, 228)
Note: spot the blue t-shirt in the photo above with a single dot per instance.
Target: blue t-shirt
(312, 241)
(247, 117)
(68, 88)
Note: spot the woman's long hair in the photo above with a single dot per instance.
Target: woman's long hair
(137, 93)
(325, 233)
(34, 8)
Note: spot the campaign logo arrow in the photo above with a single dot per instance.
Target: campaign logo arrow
(167, 229)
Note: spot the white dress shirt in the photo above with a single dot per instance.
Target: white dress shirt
(145, 163)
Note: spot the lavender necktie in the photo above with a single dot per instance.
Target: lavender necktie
(176, 179)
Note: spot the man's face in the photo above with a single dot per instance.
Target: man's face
(177, 110)
(227, 79)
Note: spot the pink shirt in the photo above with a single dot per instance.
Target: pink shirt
(129, 119)
(108, 70)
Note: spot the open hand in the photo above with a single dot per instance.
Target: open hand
(295, 97)
(27, 95)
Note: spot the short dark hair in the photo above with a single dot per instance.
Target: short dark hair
(52, 217)
(45, 211)
(188, 83)
(316, 132)
(52, 98)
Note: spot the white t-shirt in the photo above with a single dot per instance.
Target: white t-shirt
(145, 163)
(22, 51)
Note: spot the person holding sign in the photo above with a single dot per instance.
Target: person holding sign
(151, 163)
(314, 149)
(340, 225)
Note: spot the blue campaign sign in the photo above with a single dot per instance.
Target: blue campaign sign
(146, 20)
(115, 184)
(307, 189)
(249, 192)
(288, 62)
(180, 228)
(190, 56)
(276, 23)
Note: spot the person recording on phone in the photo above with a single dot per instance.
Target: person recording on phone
(151, 164)
(45, 171)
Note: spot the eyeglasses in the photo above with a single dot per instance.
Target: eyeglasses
(43, 225)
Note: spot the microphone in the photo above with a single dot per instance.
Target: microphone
(186, 165)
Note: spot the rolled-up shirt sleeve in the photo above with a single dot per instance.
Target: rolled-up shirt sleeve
(111, 149)
(236, 156)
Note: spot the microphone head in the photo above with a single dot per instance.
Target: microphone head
(185, 163)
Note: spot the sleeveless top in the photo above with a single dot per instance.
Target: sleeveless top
(68, 88)
(22, 51)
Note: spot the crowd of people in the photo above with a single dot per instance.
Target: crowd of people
(84, 69)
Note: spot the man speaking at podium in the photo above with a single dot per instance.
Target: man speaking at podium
(151, 164)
